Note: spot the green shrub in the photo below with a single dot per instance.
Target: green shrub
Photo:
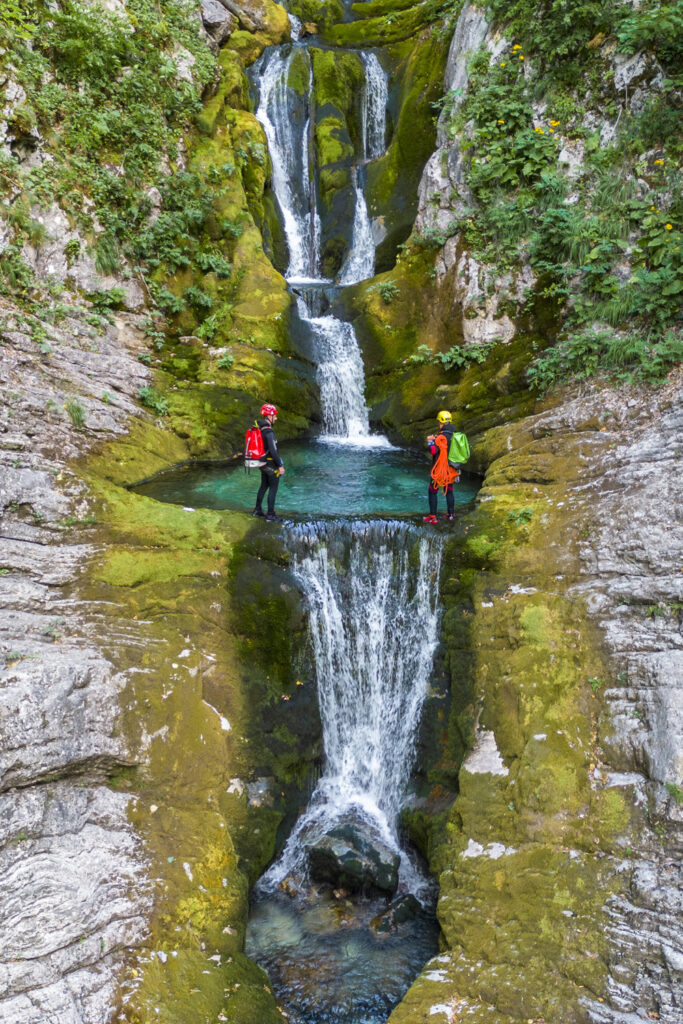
(16, 277)
(150, 397)
(197, 298)
(389, 291)
(76, 413)
(626, 357)
(654, 26)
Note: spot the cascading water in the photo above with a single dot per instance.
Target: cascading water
(340, 367)
(287, 137)
(374, 107)
(371, 591)
(360, 262)
(373, 625)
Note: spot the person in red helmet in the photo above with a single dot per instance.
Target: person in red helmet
(273, 469)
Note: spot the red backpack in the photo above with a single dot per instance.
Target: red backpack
(254, 452)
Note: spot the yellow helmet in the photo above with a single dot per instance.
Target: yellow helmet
(444, 417)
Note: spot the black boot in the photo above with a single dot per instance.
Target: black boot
(259, 513)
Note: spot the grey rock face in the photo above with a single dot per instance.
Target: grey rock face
(49, 259)
(73, 896)
(218, 22)
(630, 557)
(444, 198)
(73, 889)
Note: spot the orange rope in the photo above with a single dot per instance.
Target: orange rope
(442, 473)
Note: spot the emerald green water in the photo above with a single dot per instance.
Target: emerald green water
(322, 478)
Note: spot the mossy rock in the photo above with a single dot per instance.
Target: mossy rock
(393, 179)
(318, 12)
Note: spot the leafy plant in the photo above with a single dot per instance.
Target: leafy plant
(582, 355)
(456, 357)
(675, 791)
(654, 26)
(225, 362)
(76, 412)
(150, 397)
(520, 516)
(389, 291)
(107, 300)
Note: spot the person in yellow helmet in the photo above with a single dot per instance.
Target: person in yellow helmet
(446, 429)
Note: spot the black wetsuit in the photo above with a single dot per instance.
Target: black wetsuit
(447, 430)
(270, 479)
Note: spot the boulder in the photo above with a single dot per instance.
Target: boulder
(402, 909)
(351, 857)
(218, 21)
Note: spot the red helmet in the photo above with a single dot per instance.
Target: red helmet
(268, 410)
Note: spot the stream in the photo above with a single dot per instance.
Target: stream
(344, 918)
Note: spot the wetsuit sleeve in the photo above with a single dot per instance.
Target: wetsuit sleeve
(270, 444)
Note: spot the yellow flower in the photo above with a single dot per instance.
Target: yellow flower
(540, 131)
(502, 63)
(652, 207)
(659, 162)
(669, 227)
(554, 123)
(501, 122)
(551, 129)
(521, 56)
(516, 47)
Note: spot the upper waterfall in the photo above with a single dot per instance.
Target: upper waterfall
(286, 119)
(287, 137)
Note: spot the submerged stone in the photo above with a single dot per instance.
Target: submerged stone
(349, 856)
(403, 909)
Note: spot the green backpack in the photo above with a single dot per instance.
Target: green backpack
(458, 450)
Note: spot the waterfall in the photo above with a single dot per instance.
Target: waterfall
(374, 107)
(286, 122)
(371, 591)
(360, 262)
(340, 377)
(287, 137)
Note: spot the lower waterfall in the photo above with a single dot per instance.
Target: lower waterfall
(371, 591)
(335, 950)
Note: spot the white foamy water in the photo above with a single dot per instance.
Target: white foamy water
(373, 627)
(360, 261)
(286, 123)
(374, 107)
(287, 137)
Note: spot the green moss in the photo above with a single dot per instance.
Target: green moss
(613, 813)
(299, 73)
(332, 141)
(129, 567)
(337, 79)
(319, 12)
(381, 29)
(393, 179)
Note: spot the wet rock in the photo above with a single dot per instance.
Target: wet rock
(349, 856)
(218, 21)
(403, 909)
